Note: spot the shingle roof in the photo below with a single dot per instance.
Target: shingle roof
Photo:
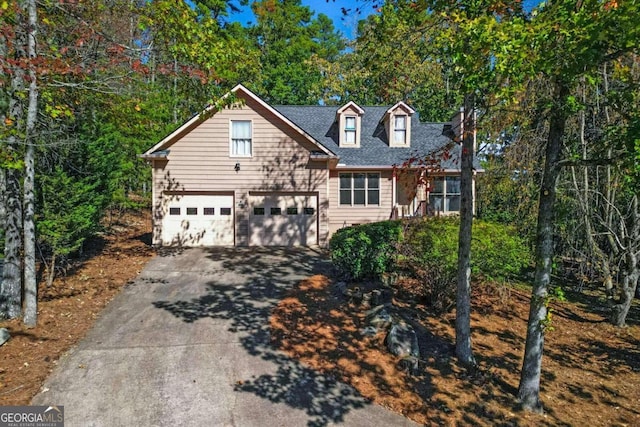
(320, 123)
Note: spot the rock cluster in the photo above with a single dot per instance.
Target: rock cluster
(382, 316)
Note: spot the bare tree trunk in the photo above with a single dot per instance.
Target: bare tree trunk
(630, 275)
(529, 388)
(3, 208)
(11, 289)
(30, 282)
(631, 270)
(51, 274)
(464, 352)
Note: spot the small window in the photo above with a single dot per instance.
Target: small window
(350, 130)
(209, 211)
(241, 138)
(292, 211)
(174, 211)
(225, 211)
(276, 211)
(258, 211)
(309, 211)
(192, 211)
(400, 130)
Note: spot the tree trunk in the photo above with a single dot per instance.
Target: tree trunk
(631, 268)
(529, 388)
(463, 295)
(620, 310)
(11, 290)
(30, 282)
(51, 274)
(3, 203)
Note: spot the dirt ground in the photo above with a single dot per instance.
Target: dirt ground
(69, 308)
(591, 370)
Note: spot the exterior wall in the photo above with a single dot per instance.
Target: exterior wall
(200, 161)
(344, 216)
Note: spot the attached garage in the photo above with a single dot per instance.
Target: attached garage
(283, 219)
(198, 220)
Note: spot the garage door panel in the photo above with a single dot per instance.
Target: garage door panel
(283, 220)
(198, 220)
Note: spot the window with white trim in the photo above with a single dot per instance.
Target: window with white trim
(400, 129)
(350, 130)
(241, 138)
(444, 195)
(359, 189)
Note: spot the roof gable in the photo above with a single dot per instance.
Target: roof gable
(350, 105)
(243, 93)
(400, 106)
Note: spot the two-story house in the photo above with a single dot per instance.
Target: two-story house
(258, 174)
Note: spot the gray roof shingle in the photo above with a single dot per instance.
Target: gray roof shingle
(320, 123)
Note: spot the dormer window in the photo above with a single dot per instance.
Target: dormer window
(397, 124)
(350, 130)
(400, 130)
(349, 120)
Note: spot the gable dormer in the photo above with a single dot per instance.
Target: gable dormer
(349, 119)
(397, 123)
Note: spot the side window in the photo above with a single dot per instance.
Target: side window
(241, 145)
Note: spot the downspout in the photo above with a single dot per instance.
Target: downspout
(326, 211)
(394, 201)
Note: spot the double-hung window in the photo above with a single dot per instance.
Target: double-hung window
(400, 129)
(444, 195)
(359, 189)
(241, 138)
(350, 130)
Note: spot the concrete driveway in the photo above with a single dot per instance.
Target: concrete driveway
(187, 344)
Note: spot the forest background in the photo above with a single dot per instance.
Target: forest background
(88, 86)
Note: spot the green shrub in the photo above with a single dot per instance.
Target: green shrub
(367, 250)
(497, 252)
(430, 254)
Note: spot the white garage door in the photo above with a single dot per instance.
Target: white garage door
(283, 220)
(198, 220)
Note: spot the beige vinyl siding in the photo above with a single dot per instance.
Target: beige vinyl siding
(201, 161)
(342, 216)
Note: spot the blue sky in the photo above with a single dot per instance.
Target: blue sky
(333, 9)
(346, 24)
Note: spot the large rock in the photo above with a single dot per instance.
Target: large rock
(4, 335)
(402, 340)
(379, 317)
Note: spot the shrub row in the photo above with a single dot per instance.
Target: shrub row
(428, 251)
